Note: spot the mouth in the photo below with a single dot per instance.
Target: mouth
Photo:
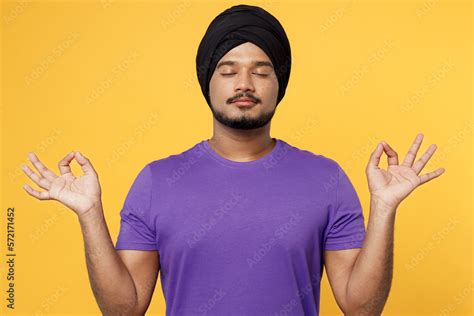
(244, 102)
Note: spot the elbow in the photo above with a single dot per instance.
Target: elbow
(363, 305)
(370, 308)
(125, 309)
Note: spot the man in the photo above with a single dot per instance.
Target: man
(241, 223)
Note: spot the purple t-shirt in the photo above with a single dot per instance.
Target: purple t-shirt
(241, 238)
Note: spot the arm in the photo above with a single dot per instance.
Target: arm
(122, 281)
(361, 279)
(143, 267)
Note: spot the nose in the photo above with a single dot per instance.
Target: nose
(244, 82)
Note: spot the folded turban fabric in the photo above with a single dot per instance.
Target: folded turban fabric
(237, 25)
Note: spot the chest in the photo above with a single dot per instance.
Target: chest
(238, 220)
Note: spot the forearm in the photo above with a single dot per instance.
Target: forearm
(370, 280)
(111, 283)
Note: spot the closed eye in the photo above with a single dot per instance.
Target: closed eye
(230, 74)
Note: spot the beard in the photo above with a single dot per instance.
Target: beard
(243, 122)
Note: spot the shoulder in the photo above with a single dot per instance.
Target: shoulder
(313, 160)
(174, 162)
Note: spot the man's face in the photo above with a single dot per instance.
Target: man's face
(245, 71)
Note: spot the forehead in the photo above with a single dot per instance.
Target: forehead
(246, 53)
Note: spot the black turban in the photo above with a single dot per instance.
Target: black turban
(237, 25)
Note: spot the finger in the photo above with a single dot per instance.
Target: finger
(84, 163)
(431, 175)
(420, 163)
(392, 156)
(41, 182)
(411, 154)
(63, 165)
(375, 157)
(44, 195)
(45, 172)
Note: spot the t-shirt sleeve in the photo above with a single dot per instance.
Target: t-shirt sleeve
(346, 227)
(136, 228)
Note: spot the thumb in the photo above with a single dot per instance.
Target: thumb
(375, 157)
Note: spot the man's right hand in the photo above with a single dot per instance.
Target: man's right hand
(80, 194)
(134, 271)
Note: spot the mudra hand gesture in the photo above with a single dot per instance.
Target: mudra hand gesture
(80, 193)
(393, 185)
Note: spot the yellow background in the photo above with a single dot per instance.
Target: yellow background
(117, 81)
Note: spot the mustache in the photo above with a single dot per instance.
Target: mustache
(244, 95)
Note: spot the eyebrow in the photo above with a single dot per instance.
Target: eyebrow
(255, 62)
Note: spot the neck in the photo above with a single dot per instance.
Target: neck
(241, 145)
